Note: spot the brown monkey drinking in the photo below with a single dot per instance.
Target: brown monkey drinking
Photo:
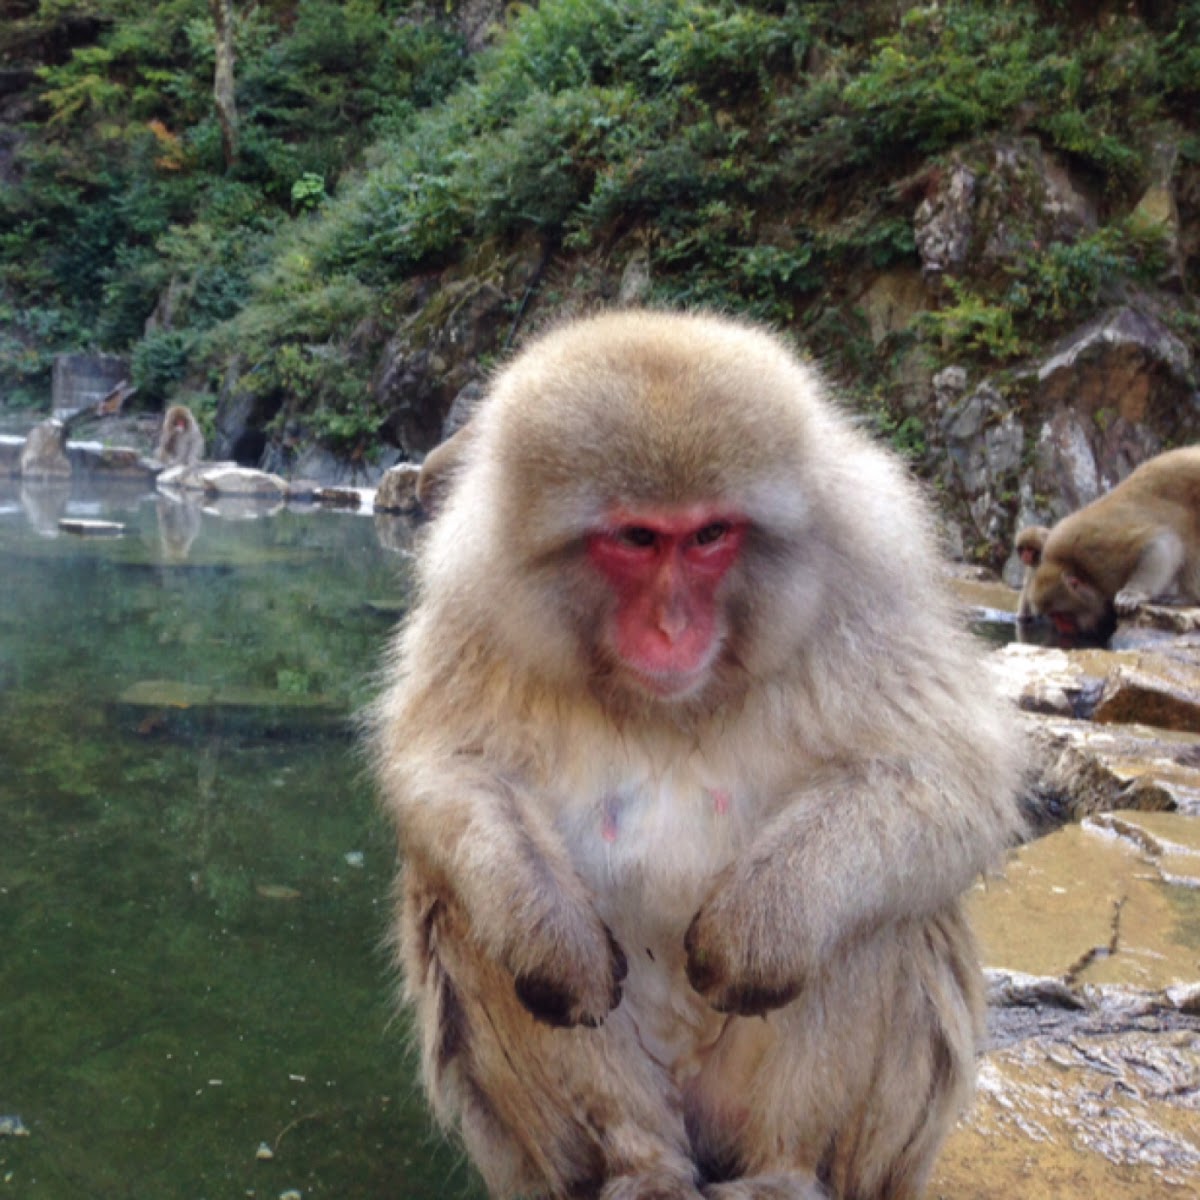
(691, 766)
(1138, 541)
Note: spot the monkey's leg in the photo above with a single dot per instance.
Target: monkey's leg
(543, 1111)
(849, 1091)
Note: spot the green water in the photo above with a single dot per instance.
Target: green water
(193, 880)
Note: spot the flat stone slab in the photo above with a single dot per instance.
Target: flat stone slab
(85, 528)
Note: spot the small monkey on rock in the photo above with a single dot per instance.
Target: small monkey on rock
(181, 442)
(691, 766)
(1138, 541)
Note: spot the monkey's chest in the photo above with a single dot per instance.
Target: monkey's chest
(649, 853)
(649, 850)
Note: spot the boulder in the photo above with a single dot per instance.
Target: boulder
(79, 381)
(397, 492)
(242, 481)
(44, 454)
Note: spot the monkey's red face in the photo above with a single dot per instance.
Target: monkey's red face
(665, 567)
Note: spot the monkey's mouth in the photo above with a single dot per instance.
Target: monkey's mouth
(669, 685)
(1065, 623)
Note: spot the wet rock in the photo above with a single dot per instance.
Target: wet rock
(1086, 768)
(1051, 681)
(1155, 690)
(303, 491)
(243, 481)
(188, 479)
(224, 480)
(398, 490)
(1108, 730)
(44, 454)
(114, 463)
(1075, 1118)
(986, 593)
(1156, 682)
(339, 497)
(1090, 1085)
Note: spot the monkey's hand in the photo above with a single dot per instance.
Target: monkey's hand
(1129, 599)
(569, 969)
(525, 905)
(736, 958)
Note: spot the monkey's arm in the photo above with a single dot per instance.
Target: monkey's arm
(879, 845)
(1157, 566)
(526, 906)
(1025, 604)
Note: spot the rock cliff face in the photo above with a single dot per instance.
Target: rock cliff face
(1057, 422)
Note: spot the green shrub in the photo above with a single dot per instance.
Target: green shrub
(160, 362)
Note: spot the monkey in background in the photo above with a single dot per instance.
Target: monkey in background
(691, 765)
(1138, 541)
(1028, 546)
(181, 443)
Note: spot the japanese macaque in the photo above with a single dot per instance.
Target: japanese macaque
(1136, 542)
(1029, 543)
(691, 766)
(181, 443)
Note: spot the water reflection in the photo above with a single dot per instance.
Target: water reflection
(192, 877)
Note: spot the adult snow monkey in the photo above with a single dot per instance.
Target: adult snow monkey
(691, 766)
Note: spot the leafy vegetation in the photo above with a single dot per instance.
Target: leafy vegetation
(767, 157)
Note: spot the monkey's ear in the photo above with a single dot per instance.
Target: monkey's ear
(1080, 588)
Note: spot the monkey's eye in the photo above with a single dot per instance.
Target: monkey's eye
(713, 532)
(637, 536)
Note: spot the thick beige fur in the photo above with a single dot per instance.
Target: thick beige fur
(737, 914)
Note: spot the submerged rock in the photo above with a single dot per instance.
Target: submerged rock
(83, 528)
